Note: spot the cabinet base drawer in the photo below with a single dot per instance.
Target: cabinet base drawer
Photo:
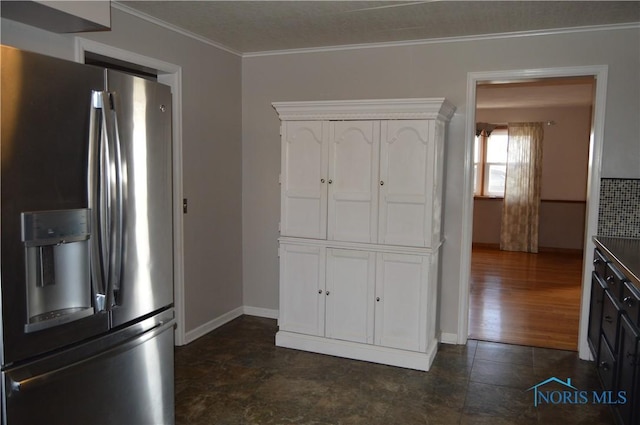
(357, 351)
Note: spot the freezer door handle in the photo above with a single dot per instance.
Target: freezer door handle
(107, 167)
(14, 386)
(26, 380)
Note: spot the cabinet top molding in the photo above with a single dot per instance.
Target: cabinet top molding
(394, 109)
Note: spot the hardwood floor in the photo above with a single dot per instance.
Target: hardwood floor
(525, 299)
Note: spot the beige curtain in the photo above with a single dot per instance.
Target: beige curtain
(519, 230)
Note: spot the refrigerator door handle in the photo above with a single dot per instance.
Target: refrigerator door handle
(106, 199)
(96, 203)
(117, 166)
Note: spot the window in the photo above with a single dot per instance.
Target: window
(490, 163)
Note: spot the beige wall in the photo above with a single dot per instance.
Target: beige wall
(561, 224)
(212, 169)
(564, 176)
(231, 142)
(414, 71)
(565, 150)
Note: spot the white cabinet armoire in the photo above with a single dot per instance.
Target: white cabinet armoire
(360, 230)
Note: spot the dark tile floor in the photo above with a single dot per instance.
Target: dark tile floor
(236, 375)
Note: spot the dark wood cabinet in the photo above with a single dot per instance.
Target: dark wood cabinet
(595, 313)
(627, 372)
(614, 333)
(631, 302)
(607, 365)
(610, 318)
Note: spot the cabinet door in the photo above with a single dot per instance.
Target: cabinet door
(606, 365)
(302, 277)
(350, 295)
(304, 175)
(627, 373)
(401, 301)
(595, 314)
(407, 159)
(610, 317)
(353, 181)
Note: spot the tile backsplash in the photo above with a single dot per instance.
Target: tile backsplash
(619, 214)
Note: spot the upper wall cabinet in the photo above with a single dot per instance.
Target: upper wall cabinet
(363, 171)
(60, 16)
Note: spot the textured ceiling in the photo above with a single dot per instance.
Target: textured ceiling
(266, 26)
(258, 26)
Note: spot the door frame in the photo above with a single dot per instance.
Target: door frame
(171, 75)
(600, 73)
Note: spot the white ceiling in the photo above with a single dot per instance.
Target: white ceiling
(251, 27)
(258, 26)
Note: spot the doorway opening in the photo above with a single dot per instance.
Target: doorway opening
(598, 73)
(530, 298)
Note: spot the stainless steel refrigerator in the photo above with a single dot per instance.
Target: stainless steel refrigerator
(87, 244)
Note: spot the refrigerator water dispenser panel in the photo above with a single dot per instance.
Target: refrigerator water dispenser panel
(57, 267)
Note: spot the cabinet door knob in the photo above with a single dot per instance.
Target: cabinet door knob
(319, 291)
(381, 183)
(604, 366)
(596, 261)
(628, 301)
(610, 280)
(330, 181)
(321, 180)
(328, 292)
(378, 299)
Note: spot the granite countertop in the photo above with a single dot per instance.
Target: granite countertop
(625, 253)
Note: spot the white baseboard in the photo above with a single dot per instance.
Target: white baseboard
(261, 312)
(204, 329)
(447, 338)
(268, 313)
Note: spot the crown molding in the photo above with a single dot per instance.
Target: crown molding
(532, 33)
(517, 34)
(171, 27)
(417, 108)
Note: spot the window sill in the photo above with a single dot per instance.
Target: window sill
(487, 198)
